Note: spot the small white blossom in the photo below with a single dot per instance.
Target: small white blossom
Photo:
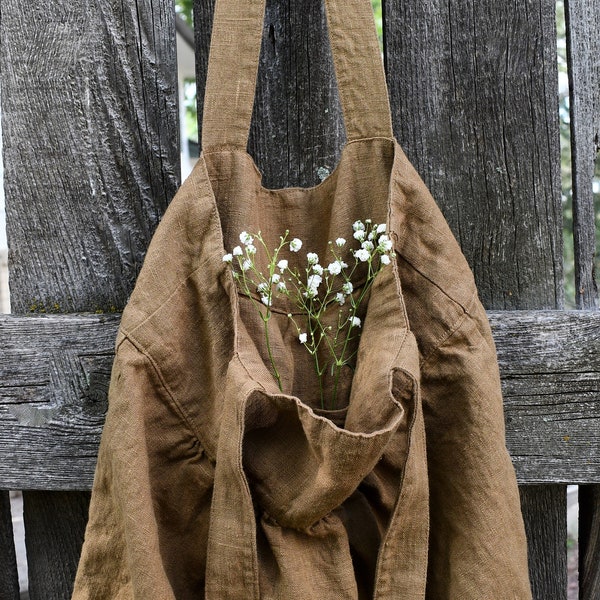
(282, 265)
(314, 281)
(358, 226)
(368, 221)
(251, 249)
(318, 269)
(354, 322)
(246, 265)
(228, 258)
(262, 287)
(265, 300)
(246, 238)
(368, 246)
(359, 235)
(340, 298)
(347, 288)
(335, 268)
(312, 258)
(275, 278)
(385, 244)
(340, 242)
(237, 251)
(385, 259)
(381, 228)
(295, 245)
(303, 338)
(362, 255)
(281, 287)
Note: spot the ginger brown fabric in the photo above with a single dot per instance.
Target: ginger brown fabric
(211, 483)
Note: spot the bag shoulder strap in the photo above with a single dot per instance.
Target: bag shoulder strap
(233, 65)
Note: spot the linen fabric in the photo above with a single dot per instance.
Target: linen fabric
(211, 482)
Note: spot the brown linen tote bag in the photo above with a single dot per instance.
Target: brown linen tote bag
(211, 482)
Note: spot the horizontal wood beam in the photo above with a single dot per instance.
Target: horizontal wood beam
(55, 371)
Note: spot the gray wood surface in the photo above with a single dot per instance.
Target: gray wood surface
(90, 132)
(52, 401)
(9, 578)
(473, 87)
(297, 129)
(583, 45)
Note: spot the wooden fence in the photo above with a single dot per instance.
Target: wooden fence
(89, 124)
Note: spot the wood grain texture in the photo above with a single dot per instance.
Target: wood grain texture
(91, 157)
(583, 53)
(9, 578)
(545, 513)
(57, 518)
(53, 391)
(52, 401)
(589, 541)
(297, 129)
(473, 86)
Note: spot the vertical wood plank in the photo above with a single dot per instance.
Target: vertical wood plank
(297, 130)
(55, 524)
(9, 578)
(583, 55)
(91, 158)
(474, 93)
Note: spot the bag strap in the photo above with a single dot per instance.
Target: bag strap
(233, 66)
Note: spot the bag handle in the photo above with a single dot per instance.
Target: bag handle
(233, 66)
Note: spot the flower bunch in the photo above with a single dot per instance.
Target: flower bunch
(314, 287)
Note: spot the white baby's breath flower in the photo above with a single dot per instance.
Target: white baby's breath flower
(282, 265)
(295, 245)
(318, 269)
(246, 264)
(314, 281)
(340, 298)
(266, 300)
(368, 246)
(275, 278)
(335, 268)
(385, 244)
(340, 242)
(354, 322)
(250, 248)
(246, 238)
(228, 258)
(312, 258)
(381, 228)
(281, 287)
(359, 235)
(347, 288)
(303, 338)
(261, 288)
(385, 259)
(237, 251)
(358, 226)
(362, 255)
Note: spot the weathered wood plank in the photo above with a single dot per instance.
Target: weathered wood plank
(583, 54)
(91, 158)
(57, 518)
(54, 374)
(53, 389)
(473, 86)
(589, 540)
(545, 514)
(90, 132)
(9, 578)
(297, 129)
